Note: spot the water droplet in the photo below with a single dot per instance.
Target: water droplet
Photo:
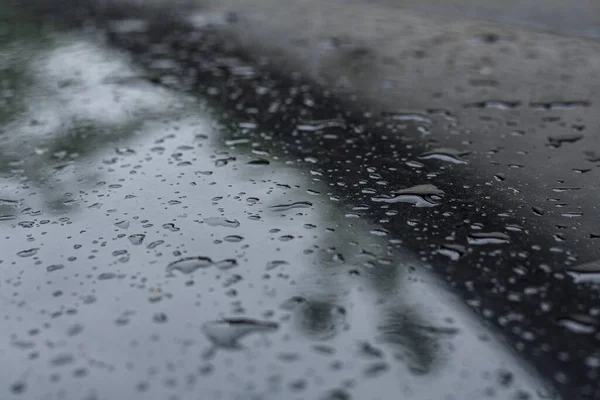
(222, 221)
(494, 104)
(452, 251)
(537, 211)
(189, 264)
(170, 227)
(565, 189)
(572, 214)
(18, 387)
(224, 161)
(74, 330)
(317, 125)
(445, 154)
(106, 276)
(160, 318)
(26, 224)
(7, 217)
(285, 207)
(559, 105)
(233, 238)
(376, 369)
(227, 333)
(336, 394)
(227, 263)
(155, 244)
(418, 196)
(414, 117)
(124, 151)
(137, 239)
(122, 224)
(259, 162)
(275, 263)
(28, 253)
(482, 238)
(581, 324)
(10, 203)
(54, 267)
(558, 140)
(61, 360)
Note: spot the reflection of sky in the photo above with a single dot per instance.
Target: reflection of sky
(149, 157)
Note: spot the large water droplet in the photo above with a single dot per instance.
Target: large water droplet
(452, 251)
(285, 207)
(445, 154)
(558, 140)
(559, 105)
(10, 203)
(226, 333)
(415, 117)
(581, 324)
(222, 221)
(28, 253)
(419, 196)
(122, 224)
(481, 238)
(189, 264)
(317, 125)
(495, 104)
(137, 238)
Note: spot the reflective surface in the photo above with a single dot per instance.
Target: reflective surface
(182, 221)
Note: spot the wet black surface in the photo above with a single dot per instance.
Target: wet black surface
(182, 217)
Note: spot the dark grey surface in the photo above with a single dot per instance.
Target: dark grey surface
(301, 255)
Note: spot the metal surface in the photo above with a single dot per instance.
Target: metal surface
(263, 201)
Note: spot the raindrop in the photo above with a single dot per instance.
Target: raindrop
(482, 238)
(189, 264)
(124, 151)
(494, 104)
(559, 105)
(275, 263)
(579, 324)
(408, 117)
(62, 359)
(18, 387)
(137, 238)
(572, 214)
(317, 125)
(285, 207)
(558, 140)
(155, 244)
(170, 227)
(445, 154)
(54, 267)
(233, 238)
(259, 162)
(537, 211)
(452, 251)
(106, 276)
(7, 217)
(228, 263)
(160, 318)
(122, 224)
(222, 221)
(10, 203)
(226, 333)
(418, 196)
(224, 161)
(376, 369)
(28, 253)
